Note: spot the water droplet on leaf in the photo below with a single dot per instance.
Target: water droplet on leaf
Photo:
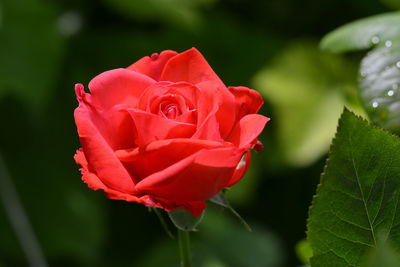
(375, 40)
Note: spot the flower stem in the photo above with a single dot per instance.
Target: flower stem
(184, 248)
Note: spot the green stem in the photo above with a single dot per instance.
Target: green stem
(184, 248)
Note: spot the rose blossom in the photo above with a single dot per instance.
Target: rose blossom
(165, 132)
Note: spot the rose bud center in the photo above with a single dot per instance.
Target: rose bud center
(170, 106)
(171, 111)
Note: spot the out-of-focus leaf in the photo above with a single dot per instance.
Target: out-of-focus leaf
(379, 85)
(183, 13)
(304, 251)
(358, 197)
(384, 255)
(363, 33)
(306, 88)
(234, 246)
(31, 48)
(67, 217)
(221, 242)
(394, 4)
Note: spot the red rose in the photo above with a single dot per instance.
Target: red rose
(165, 132)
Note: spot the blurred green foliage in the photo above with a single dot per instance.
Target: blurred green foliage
(385, 255)
(305, 87)
(304, 251)
(221, 241)
(48, 46)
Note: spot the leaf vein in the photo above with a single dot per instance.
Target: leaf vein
(361, 191)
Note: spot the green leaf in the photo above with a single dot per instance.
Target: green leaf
(358, 197)
(379, 85)
(184, 220)
(307, 90)
(363, 33)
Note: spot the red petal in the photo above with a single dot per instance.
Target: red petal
(209, 129)
(95, 183)
(99, 155)
(216, 98)
(189, 66)
(151, 127)
(195, 178)
(188, 91)
(153, 66)
(247, 130)
(248, 101)
(119, 86)
(159, 155)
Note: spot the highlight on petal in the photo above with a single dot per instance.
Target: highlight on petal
(189, 66)
(98, 153)
(247, 130)
(119, 86)
(195, 178)
(154, 65)
(241, 169)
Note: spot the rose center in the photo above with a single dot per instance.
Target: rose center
(171, 111)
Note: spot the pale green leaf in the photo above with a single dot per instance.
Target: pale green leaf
(379, 85)
(384, 255)
(307, 90)
(363, 33)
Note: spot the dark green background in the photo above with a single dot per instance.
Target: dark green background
(48, 46)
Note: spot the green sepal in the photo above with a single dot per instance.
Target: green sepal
(184, 220)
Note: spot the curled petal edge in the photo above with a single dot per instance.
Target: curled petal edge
(93, 182)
